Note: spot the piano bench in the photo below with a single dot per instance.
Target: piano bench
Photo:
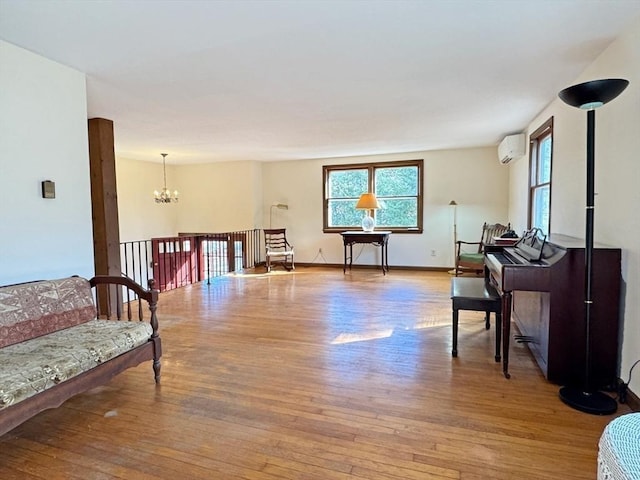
(477, 295)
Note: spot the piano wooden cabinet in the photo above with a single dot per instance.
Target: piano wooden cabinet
(546, 298)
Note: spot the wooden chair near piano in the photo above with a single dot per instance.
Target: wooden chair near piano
(470, 255)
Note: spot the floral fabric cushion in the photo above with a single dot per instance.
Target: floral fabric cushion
(32, 309)
(28, 368)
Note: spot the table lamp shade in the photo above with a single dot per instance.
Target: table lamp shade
(367, 201)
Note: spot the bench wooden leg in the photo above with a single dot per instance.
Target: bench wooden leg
(454, 351)
(498, 335)
(156, 370)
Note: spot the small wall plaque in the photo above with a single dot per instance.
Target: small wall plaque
(48, 189)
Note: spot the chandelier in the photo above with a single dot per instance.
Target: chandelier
(165, 196)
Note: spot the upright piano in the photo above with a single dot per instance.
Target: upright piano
(541, 281)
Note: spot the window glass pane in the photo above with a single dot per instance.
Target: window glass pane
(396, 181)
(397, 212)
(343, 213)
(541, 209)
(347, 183)
(541, 141)
(544, 172)
(533, 163)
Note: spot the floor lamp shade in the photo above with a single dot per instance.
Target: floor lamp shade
(593, 94)
(279, 206)
(589, 96)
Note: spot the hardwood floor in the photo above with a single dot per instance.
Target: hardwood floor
(314, 375)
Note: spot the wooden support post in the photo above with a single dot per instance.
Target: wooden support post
(104, 201)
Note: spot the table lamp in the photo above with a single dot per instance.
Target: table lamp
(367, 202)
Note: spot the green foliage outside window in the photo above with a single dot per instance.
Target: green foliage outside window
(397, 190)
(398, 212)
(398, 181)
(348, 183)
(345, 187)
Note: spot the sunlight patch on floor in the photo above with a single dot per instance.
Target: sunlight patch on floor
(430, 322)
(362, 336)
(366, 335)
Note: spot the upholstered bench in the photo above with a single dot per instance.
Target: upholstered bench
(55, 343)
(477, 295)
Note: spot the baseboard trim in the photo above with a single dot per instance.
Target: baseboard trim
(374, 267)
(633, 401)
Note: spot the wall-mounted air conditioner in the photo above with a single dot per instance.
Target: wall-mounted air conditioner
(512, 147)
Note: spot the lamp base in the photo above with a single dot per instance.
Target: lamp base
(595, 403)
(368, 223)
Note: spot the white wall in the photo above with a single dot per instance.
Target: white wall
(472, 177)
(140, 217)
(617, 221)
(43, 125)
(218, 197)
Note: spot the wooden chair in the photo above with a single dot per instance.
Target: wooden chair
(278, 248)
(473, 261)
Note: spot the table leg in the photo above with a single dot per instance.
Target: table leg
(454, 350)
(386, 256)
(506, 332)
(344, 266)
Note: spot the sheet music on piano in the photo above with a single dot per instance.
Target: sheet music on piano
(531, 245)
(531, 249)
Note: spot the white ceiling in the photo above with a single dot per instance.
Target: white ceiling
(275, 80)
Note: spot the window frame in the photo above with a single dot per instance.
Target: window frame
(540, 134)
(371, 168)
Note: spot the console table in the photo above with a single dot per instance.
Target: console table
(377, 238)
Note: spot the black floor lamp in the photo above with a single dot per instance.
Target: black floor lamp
(589, 96)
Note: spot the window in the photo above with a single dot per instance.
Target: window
(397, 185)
(540, 157)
